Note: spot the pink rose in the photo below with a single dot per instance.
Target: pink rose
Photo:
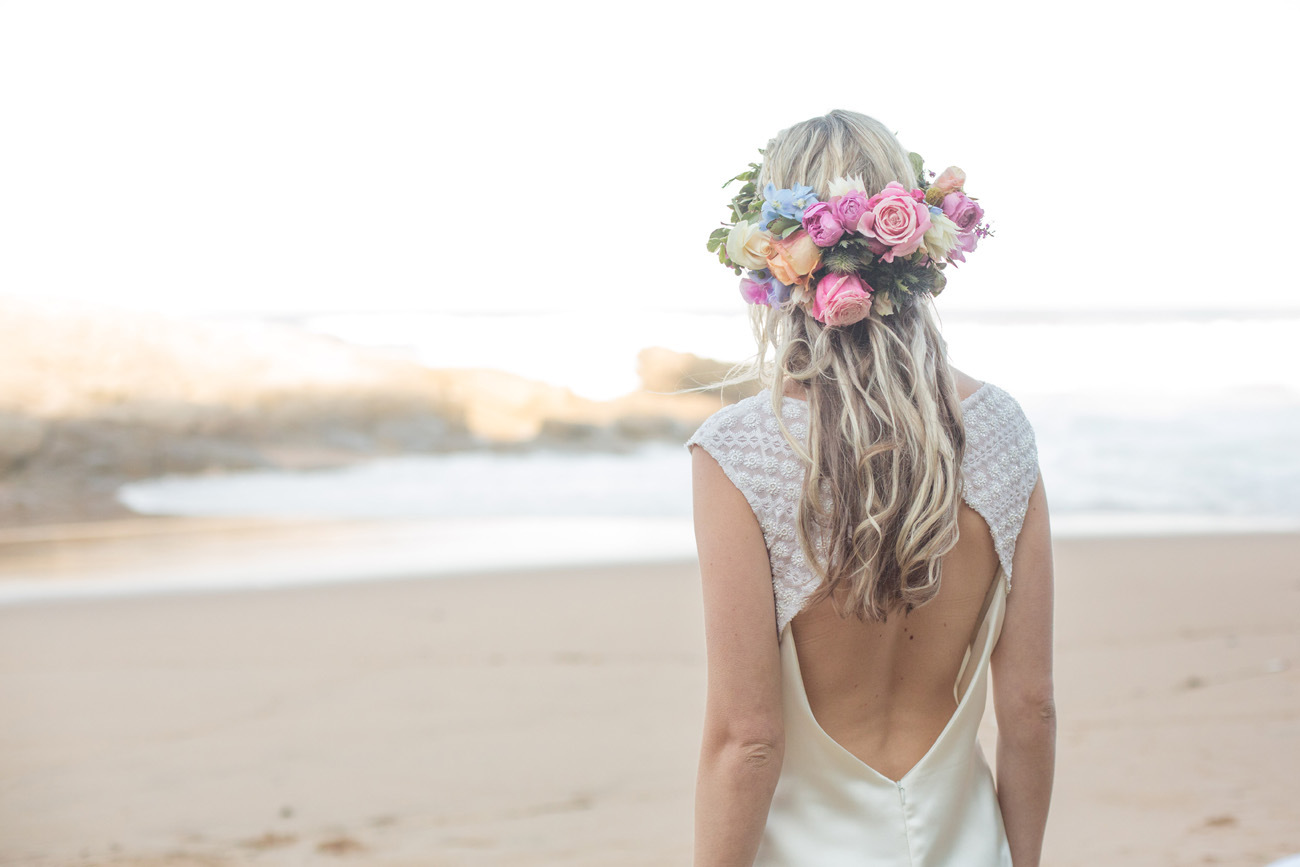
(895, 222)
(849, 208)
(822, 226)
(952, 180)
(841, 299)
(963, 211)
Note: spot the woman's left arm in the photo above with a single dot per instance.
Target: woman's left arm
(744, 740)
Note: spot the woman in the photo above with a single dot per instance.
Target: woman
(859, 523)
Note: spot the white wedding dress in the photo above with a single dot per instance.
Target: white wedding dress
(831, 809)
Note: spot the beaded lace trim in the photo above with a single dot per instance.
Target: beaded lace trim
(1000, 468)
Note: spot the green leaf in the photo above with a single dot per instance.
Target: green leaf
(790, 231)
(743, 176)
(918, 166)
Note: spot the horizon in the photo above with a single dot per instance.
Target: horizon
(1009, 313)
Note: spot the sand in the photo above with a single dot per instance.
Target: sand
(551, 717)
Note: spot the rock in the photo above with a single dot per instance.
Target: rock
(91, 398)
(649, 427)
(20, 438)
(663, 371)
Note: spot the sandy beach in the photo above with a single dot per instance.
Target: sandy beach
(551, 717)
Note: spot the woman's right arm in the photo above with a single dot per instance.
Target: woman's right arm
(1022, 689)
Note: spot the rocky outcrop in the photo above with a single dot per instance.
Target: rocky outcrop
(663, 371)
(90, 398)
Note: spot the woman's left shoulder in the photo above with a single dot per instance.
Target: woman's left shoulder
(729, 419)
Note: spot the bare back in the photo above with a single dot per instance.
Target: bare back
(875, 725)
(884, 691)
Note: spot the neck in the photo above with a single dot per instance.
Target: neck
(795, 389)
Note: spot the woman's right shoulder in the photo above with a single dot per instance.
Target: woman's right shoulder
(995, 413)
(1000, 464)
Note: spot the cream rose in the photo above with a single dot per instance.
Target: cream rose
(748, 245)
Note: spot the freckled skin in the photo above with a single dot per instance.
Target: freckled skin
(883, 698)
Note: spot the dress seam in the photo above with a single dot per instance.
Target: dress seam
(907, 831)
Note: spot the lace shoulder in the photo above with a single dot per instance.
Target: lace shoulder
(746, 441)
(1000, 466)
(999, 470)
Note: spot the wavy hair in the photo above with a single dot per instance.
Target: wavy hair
(885, 442)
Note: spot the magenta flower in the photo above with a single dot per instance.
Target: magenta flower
(962, 210)
(849, 208)
(821, 225)
(755, 287)
(965, 244)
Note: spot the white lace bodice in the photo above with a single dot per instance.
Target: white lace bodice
(1000, 468)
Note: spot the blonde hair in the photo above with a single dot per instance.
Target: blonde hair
(885, 438)
(840, 144)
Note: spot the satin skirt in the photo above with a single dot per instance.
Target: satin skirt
(831, 809)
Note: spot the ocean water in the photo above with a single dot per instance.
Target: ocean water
(1145, 422)
(1147, 425)
(1106, 470)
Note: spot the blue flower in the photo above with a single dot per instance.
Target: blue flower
(786, 203)
(778, 293)
(760, 287)
(934, 210)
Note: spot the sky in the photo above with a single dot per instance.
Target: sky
(283, 156)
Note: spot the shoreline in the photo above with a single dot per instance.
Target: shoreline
(149, 555)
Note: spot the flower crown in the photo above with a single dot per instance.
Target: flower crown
(854, 254)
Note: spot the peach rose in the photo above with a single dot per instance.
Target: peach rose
(793, 259)
(950, 181)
